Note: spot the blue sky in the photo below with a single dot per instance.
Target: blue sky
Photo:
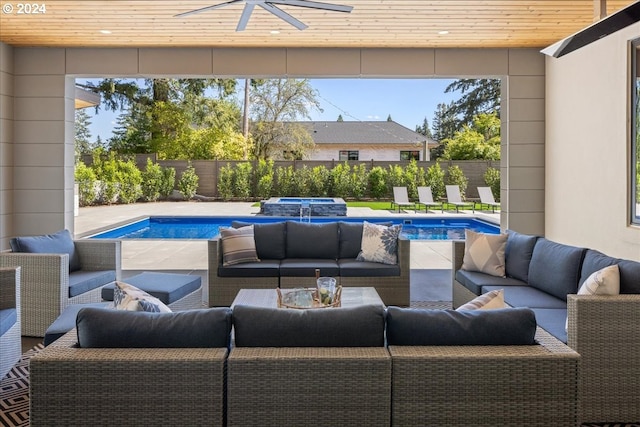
(408, 101)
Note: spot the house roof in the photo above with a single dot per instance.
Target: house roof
(357, 132)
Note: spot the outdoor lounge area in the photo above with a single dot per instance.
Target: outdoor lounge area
(568, 169)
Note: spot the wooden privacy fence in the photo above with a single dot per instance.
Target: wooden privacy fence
(208, 170)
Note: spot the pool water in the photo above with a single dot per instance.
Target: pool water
(209, 227)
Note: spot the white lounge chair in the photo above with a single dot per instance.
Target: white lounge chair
(486, 199)
(454, 198)
(401, 199)
(425, 198)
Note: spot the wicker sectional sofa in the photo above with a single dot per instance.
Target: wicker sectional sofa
(604, 329)
(290, 252)
(287, 367)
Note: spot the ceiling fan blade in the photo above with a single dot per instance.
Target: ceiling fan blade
(204, 9)
(244, 18)
(314, 5)
(283, 15)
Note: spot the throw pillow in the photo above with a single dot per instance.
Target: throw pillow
(489, 301)
(602, 282)
(485, 253)
(238, 245)
(128, 297)
(379, 243)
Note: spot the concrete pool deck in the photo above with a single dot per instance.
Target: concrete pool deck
(190, 256)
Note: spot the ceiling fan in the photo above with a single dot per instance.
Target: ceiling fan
(271, 6)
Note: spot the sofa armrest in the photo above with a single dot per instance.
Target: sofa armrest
(605, 330)
(404, 255)
(10, 288)
(100, 254)
(136, 383)
(457, 255)
(214, 256)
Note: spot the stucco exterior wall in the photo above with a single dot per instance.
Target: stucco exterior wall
(587, 151)
(365, 152)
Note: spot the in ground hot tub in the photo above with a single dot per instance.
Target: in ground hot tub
(305, 206)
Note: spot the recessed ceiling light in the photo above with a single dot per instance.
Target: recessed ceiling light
(443, 32)
(274, 32)
(105, 32)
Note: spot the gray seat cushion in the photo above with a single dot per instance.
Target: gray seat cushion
(67, 320)
(555, 268)
(511, 326)
(8, 318)
(518, 254)
(355, 268)
(60, 242)
(306, 267)
(361, 326)
(167, 287)
(552, 320)
(264, 268)
(270, 238)
(474, 280)
(527, 296)
(306, 240)
(200, 328)
(82, 281)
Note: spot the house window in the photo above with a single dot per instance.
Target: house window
(348, 155)
(634, 160)
(410, 155)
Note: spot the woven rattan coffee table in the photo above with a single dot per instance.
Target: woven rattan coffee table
(351, 297)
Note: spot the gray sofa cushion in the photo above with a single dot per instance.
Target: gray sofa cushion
(552, 320)
(107, 328)
(555, 268)
(474, 280)
(270, 238)
(350, 239)
(305, 240)
(60, 242)
(355, 268)
(518, 254)
(8, 318)
(527, 296)
(629, 270)
(361, 326)
(512, 326)
(264, 268)
(82, 281)
(306, 267)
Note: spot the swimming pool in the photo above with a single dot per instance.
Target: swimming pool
(197, 227)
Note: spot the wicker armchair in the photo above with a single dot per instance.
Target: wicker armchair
(45, 280)
(126, 386)
(486, 386)
(10, 300)
(605, 330)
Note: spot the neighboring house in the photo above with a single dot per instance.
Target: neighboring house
(373, 140)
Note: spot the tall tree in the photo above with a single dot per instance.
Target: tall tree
(478, 96)
(340, 119)
(424, 129)
(275, 105)
(82, 132)
(445, 122)
(389, 119)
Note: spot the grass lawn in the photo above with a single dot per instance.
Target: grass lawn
(375, 205)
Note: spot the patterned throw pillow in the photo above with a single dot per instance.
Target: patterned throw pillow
(485, 253)
(489, 301)
(602, 282)
(128, 297)
(379, 243)
(238, 245)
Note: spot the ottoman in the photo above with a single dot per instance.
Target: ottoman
(177, 291)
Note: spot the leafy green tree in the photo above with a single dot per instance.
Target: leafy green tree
(340, 119)
(82, 132)
(479, 96)
(479, 141)
(389, 119)
(275, 104)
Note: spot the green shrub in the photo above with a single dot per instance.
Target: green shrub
(455, 176)
(396, 177)
(378, 182)
(168, 182)
(285, 181)
(188, 183)
(414, 177)
(151, 181)
(341, 180)
(319, 180)
(107, 174)
(242, 180)
(264, 179)
(359, 181)
(225, 182)
(435, 180)
(86, 179)
(492, 179)
(130, 179)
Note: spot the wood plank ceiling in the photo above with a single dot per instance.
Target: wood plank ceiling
(372, 23)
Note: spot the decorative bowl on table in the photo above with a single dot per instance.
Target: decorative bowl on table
(303, 298)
